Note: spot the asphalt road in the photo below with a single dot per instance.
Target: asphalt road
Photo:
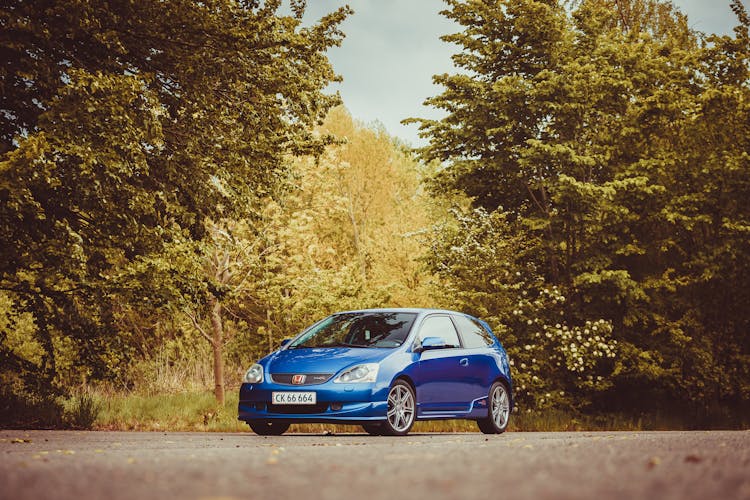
(140, 466)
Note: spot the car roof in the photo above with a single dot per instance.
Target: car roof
(416, 310)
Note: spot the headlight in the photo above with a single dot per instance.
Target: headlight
(254, 375)
(359, 374)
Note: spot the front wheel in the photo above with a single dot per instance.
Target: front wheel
(268, 427)
(402, 409)
(498, 413)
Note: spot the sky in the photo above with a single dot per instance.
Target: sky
(393, 48)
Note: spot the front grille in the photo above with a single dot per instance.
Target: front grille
(298, 409)
(310, 378)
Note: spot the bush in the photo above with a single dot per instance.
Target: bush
(27, 410)
(81, 411)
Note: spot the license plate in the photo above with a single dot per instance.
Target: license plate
(294, 398)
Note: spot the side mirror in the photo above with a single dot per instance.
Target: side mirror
(284, 342)
(429, 343)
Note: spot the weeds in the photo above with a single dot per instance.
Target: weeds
(81, 411)
(188, 411)
(198, 411)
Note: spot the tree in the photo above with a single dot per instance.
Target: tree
(488, 268)
(342, 234)
(124, 128)
(596, 133)
(230, 258)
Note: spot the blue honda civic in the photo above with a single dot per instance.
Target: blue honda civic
(382, 369)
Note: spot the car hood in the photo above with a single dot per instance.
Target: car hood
(322, 360)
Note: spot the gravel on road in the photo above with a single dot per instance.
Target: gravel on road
(64, 465)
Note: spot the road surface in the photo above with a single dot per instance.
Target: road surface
(587, 465)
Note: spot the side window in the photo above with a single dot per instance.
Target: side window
(439, 326)
(473, 333)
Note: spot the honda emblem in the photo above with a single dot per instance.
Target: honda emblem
(298, 379)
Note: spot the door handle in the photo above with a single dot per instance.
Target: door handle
(464, 362)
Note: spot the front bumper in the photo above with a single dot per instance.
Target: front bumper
(336, 403)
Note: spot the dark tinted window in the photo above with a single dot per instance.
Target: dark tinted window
(439, 326)
(361, 329)
(473, 333)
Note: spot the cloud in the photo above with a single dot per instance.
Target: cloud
(393, 48)
(708, 16)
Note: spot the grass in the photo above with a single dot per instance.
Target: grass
(198, 411)
(188, 411)
(81, 410)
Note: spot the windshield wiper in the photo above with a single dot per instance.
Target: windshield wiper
(346, 344)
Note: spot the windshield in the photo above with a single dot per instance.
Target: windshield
(360, 329)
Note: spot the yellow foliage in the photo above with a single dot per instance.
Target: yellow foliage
(19, 330)
(348, 228)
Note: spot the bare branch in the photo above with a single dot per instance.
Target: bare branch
(536, 201)
(194, 320)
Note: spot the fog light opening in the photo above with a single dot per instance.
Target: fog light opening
(336, 406)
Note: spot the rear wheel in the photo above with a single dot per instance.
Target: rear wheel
(268, 427)
(402, 409)
(498, 412)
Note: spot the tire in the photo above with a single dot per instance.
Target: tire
(498, 410)
(373, 429)
(268, 427)
(402, 410)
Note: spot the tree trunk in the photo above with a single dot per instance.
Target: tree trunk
(217, 343)
(49, 365)
(269, 328)
(355, 233)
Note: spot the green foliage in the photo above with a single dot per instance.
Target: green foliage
(25, 406)
(125, 129)
(339, 234)
(186, 411)
(150, 199)
(487, 268)
(613, 141)
(24, 409)
(82, 410)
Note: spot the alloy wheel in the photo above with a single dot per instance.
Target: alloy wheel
(401, 409)
(500, 406)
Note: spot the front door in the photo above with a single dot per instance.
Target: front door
(442, 375)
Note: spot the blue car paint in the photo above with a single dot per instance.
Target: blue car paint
(449, 383)
(322, 360)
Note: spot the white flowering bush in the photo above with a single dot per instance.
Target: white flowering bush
(555, 364)
(557, 361)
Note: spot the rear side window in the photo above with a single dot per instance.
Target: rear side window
(473, 333)
(439, 326)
